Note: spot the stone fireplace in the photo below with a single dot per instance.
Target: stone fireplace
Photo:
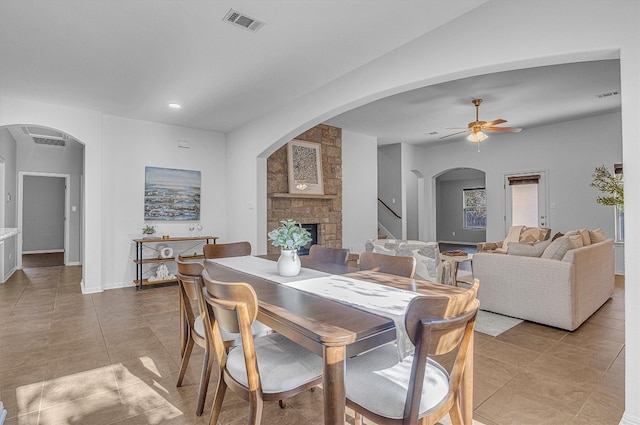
(323, 210)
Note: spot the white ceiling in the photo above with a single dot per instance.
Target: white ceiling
(131, 58)
(526, 98)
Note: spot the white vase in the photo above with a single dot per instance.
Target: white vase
(289, 263)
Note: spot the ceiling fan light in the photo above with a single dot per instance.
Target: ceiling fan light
(477, 137)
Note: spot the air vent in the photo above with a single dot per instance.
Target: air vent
(48, 141)
(611, 93)
(46, 136)
(242, 20)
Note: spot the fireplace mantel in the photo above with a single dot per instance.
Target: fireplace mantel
(299, 195)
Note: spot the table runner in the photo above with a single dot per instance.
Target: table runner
(375, 298)
(265, 269)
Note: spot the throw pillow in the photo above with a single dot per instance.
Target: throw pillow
(586, 239)
(534, 234)
(528, 250)
(559, 247)
(596, 235)
(557, 235)
(575, 241)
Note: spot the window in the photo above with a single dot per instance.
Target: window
(475, 208)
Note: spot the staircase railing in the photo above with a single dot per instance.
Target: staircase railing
(389, 208)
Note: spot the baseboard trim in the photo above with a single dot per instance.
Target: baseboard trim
(628, 420)
(44, 251)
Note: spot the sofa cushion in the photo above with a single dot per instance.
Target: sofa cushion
(560, 246)
(596, 235)
(586, 239)
(534, 234)
(527, 249)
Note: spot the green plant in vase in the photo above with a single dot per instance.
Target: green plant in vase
(289, 236)
(149, 231)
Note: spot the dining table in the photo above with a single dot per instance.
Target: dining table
(332, 329)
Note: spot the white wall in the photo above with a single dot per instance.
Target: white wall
(129, 146)
(359, 191)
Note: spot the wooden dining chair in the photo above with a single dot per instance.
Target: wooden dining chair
(223, 250)
(391, 264)
(195, 326)
(325, 254)
(267, 368)
(417, 389)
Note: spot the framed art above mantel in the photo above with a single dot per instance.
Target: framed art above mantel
(305, 168)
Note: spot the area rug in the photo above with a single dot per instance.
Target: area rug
(494, 324)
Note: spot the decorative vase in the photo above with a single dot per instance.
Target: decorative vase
(289, 263)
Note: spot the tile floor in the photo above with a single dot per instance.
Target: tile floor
(113, 357)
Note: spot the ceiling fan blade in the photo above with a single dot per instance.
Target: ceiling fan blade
(453, 134)
(494, 122)
(504, 129)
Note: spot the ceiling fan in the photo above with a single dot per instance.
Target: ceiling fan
(476, 128)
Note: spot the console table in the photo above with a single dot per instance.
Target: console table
(152, 243)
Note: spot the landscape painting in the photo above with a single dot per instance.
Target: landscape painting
(171, 194)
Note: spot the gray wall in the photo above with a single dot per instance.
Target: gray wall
(43, 214)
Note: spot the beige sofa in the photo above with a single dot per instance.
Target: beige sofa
(557, 292)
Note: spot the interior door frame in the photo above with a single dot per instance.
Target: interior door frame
(21, 176)
(543, 198)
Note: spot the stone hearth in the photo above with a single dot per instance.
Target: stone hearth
(325, 210)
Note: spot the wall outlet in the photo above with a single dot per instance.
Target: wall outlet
(453, 233)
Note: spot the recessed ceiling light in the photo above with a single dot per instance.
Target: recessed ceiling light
(175, 105)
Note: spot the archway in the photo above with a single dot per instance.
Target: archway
(455, 221)
(44, 151)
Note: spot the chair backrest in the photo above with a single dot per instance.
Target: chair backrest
(434, 334)
(223, 250)
(224, 299)
(325, 254)
(234, 308)
(391, 264)
(189, 283)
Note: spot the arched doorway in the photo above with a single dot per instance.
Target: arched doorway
(49, 155)
(458, 208)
